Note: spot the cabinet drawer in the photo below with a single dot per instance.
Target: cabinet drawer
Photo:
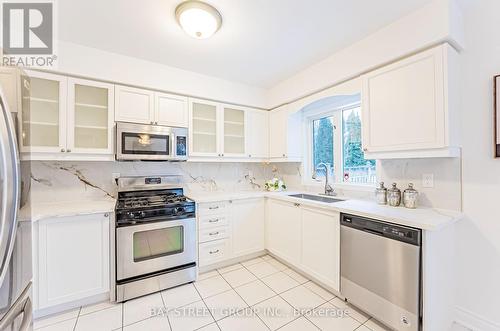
(212, 208)
(213, 233)
(214, 251)
(211, 221)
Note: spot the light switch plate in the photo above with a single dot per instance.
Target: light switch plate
(428, 180)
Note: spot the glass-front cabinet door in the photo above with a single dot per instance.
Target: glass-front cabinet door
(234, 131)
(204, 116)
(43, 116)
(90, 117)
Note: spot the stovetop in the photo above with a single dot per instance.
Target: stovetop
(153, 206)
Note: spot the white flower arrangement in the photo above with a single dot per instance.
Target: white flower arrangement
(275, 184)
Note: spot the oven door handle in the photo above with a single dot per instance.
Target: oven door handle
(154, 226)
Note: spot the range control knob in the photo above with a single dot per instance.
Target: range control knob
(179, 210)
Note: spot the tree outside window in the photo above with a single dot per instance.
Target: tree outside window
(342, 150)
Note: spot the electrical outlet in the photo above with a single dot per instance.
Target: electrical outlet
(428, 180)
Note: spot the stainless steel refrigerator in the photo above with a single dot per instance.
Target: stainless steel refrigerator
(16, 308)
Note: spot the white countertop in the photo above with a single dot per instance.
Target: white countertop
(37, 211)
(422, 218)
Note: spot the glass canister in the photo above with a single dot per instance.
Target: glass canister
(394, 196)
(381, 194)
(410, 196)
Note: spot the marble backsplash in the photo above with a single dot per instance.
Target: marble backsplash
(71, 181)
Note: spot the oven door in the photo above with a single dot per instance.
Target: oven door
(152, 247)
(143, 142)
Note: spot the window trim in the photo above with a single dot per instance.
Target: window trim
(338, 141)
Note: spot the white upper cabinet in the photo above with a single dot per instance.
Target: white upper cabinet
(134, 105)
(258, 134)
(11, 87)
(234, 131)
(204, 133)
(227, 132)
(90, 117)
(148, 107)
(285, 134)
(43, 116)
(171, 110)
(65, 118)
(409, 107)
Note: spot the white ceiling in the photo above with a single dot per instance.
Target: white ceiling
(261, 42)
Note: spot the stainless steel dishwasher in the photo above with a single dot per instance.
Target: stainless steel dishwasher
(380, 270)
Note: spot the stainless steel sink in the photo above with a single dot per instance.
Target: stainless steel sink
(315, 198)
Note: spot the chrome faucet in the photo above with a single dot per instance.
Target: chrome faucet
(328, 188)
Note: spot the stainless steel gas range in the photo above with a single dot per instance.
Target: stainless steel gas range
(155, 237)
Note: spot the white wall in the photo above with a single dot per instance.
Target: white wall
(437, 22)
(94, 63)
(478, 242)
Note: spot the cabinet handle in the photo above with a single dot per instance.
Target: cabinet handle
(68, 150)
(249, 155)
(106, 215)
(214, 252)
(63, 150)
(284, 155)
(365, 149)
(213, 233)
(296, 204)
(222, 154)
(212, 208)
(213, 221)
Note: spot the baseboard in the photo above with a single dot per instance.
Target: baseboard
(473, 321)
(39, 313)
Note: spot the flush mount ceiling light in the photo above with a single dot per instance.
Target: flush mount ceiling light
(198, 19)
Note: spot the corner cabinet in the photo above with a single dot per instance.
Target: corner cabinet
(410, 107)
(65, 118)
(223, 132)
(285, 135)
(71, 260)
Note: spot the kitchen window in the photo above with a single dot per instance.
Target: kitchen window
(335, 141)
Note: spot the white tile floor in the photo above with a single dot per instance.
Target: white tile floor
(259, 294)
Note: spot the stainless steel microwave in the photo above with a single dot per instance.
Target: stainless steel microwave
(150, 142)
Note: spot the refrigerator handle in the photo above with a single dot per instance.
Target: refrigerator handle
(22, 306)
(10, 185)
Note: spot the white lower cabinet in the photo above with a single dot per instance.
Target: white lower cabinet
(71, 259)
(307, 238)
(321, 245)
(247, 224)
(214, 251)
(283, 230)
(229, 229)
